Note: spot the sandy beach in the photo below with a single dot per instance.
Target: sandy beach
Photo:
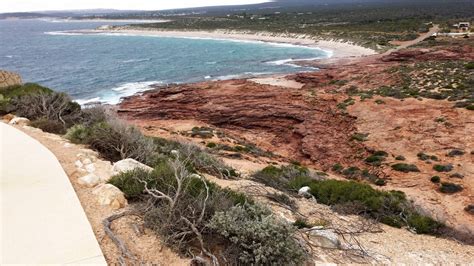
(337, 48)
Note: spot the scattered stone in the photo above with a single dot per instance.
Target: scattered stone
(8, 117)
(21, 121)
(457, 175)
(78, 164)
(90, 168)
(86, 161)
(110, 195)
(324, 237)
(305, 192)
(89, 180)
(129, 165)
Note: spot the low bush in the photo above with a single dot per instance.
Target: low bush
(386, 206)
(205, 162)
(424, 157)
(285, 178)
(53, 106)
(282, 198)
(78, 134)
(132, 183)
(8, 94)
(115, 140)
(405, 168)
(359, 137)
(470, 65)
(450, 188)
(456, 152)
(443, 168)
(400, 158)
(435, 179)
(337, 167)
(423, 224)
(188, 211)
(51, 126)
(257, 236)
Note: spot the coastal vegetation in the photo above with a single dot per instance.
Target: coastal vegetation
(389, 207)
(369, 25)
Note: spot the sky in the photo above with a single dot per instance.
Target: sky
(42, 5)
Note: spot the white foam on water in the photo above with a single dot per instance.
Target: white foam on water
(242, 75)
(136, 60)
(87, 101)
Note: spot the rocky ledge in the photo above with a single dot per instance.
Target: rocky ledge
(289, 122)
(9, 79)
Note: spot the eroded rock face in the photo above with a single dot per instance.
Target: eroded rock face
(9, 79)
(286, 121)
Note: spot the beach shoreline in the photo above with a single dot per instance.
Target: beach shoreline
(335, 48)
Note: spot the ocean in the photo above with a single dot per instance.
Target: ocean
(107, 67)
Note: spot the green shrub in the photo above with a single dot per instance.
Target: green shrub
(400, 158)
(359, 137)
(115, 140)
(337, 167)
(301, 224)
(450, 188)
(423, 224)
(375, 160)
(53, 106)
(211, 145)
(456, 152)
(78, 134)
(435, 179)
(406, 168)
(443, 168)
(282, 199)
(470, 65)
(257, 237)
(130, 182)
(351, 172)
(290, 177)
(205, 162)
(381, 205)
(51, 126)
(380, 182)
(470, 107)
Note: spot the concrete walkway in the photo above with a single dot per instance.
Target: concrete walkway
(41, 218)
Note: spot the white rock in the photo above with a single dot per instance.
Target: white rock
(21, 121)
(89, 180)
(195, 176)
(67, 145)
(324, 237)
(86, 161)
(305, 192)
(90, 168)
(129, 165)
(78, 164)
(110, 195)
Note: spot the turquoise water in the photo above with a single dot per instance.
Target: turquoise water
(107, 67)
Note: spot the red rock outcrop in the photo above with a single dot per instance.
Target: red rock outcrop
(287, 121)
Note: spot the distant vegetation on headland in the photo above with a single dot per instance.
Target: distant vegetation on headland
(369, 25)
